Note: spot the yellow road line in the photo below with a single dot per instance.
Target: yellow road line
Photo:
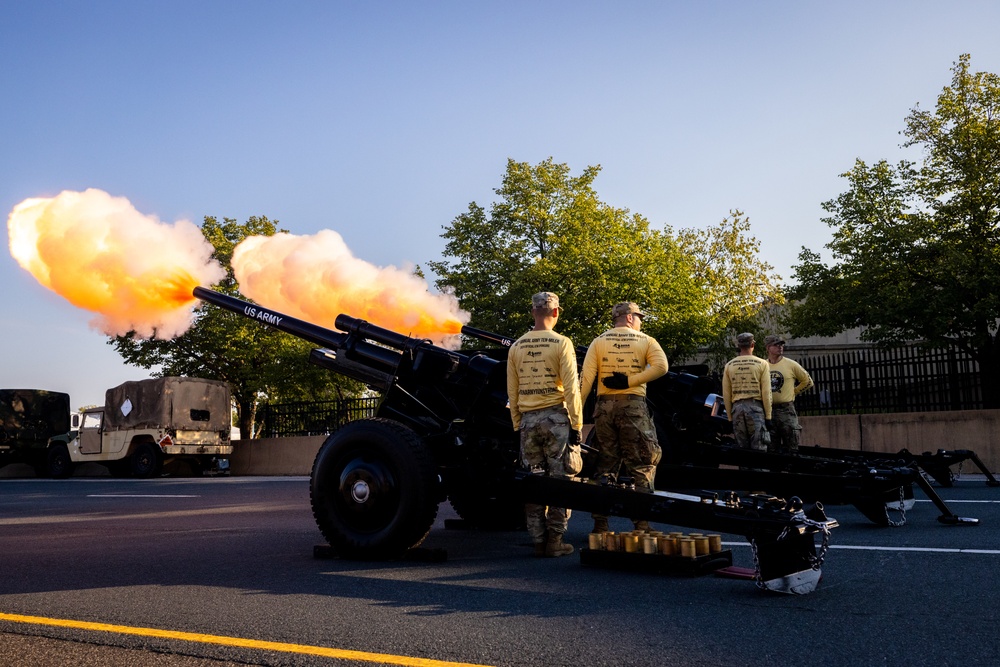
(344, 654)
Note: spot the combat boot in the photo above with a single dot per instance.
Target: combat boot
(600, 524)
(554, 547)
(540, 551)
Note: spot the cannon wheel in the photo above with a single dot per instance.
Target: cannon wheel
(374, 489)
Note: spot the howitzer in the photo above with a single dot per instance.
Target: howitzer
(443, 431)
(695, 436)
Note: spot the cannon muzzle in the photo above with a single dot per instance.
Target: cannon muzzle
(488, 336)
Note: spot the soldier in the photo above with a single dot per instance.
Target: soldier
(625, 359)
(788, 380)
(544, 393)
(746, 390)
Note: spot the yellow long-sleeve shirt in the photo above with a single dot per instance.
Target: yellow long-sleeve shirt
(788, 380)
(541, 373)
(623, 350)
(747, 376)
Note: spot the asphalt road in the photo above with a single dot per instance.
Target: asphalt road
(193, 572)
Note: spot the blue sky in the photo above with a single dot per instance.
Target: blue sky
(384, 120)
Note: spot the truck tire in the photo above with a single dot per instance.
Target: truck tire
(145, 460)
(58, 464)
(374, 489)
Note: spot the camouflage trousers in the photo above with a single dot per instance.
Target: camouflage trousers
(785, 431)
(627, 440)
(544, 437)
(748, 424)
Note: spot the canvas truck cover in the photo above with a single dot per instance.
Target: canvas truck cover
(33, 414)
(181, 403)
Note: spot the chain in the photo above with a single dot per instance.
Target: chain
(817, 561)
(902, 512)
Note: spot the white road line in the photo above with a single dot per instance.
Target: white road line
(139, 495)
(941, 550)
(923, 500)
(852, 547)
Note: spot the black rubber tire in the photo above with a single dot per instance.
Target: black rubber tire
(145, 460)
(374, 489)
(58, 464)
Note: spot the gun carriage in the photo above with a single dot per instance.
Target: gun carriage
(696, 438)
(442, 431)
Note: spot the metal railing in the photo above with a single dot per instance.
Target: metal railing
(902, 379)
(312, 417)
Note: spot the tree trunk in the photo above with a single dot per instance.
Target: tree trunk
(246, 412)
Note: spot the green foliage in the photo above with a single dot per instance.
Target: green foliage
(259, 363)
(916, 249)
(548, 231)
(740, 287)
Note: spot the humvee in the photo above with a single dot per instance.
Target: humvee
(147, 424)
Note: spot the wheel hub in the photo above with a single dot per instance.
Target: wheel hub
(360, 492)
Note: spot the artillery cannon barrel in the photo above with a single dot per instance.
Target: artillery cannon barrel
(300, 328)
(488, 336)
(364, 329)
(351, 343)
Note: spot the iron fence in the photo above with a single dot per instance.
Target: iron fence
(903, 379)
(312, 417)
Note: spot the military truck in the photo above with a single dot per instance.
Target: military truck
(147, 424)
(28, 418)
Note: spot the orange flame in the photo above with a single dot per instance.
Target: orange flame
(315, 278)
(100, 254)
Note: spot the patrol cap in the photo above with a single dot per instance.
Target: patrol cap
(625, 308)
(545, 300)
(744, 339)
(773, 339)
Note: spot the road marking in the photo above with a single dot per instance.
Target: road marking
(322, 651)
(138, 495)
(942, 550)
(922, 500)
(75, 518)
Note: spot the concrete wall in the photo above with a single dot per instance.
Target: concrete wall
(275, 456)
(978, 430)
(918, 432)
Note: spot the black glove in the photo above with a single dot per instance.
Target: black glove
(768, 425)
(575, 437)
(616, 381)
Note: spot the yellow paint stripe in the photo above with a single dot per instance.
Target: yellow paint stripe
(238, 642)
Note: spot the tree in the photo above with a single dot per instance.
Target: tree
(916, 248)
(742, 288)
(548, 231)
(257, 362)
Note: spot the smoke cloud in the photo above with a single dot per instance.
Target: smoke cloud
(315, 278)
(101, 254)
